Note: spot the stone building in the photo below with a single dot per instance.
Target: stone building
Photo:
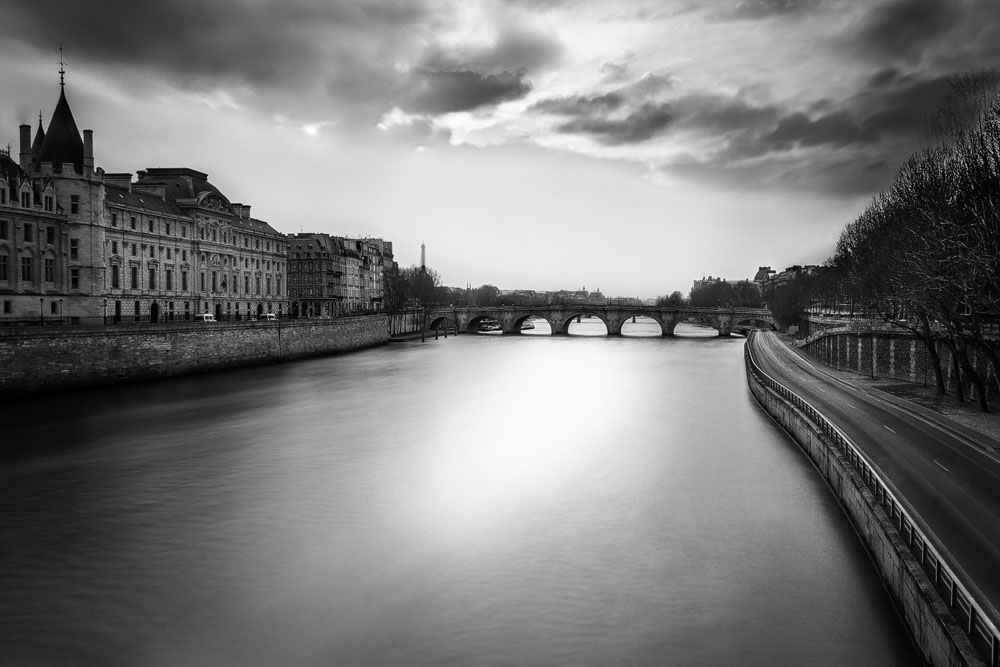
(84, 246)
(334, 275)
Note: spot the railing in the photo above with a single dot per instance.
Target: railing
(981, 629)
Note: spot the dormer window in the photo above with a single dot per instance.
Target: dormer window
(74, 204)
(48, 203)
(25, 199)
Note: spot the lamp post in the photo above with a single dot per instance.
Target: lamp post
(41, 310)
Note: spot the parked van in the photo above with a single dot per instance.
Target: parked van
(204, 317)
(267, 316)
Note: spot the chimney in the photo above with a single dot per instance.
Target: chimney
(88, 150)
(27, 159)
(119, 180)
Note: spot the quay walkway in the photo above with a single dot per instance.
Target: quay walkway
(938, 480)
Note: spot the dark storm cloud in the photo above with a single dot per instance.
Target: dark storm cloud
(261, 43)
(579, 105)
(517, 47)
(640, 125)
(936, 36)
(444, 92)
(837, 129)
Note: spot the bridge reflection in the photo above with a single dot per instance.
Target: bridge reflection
(559, 318)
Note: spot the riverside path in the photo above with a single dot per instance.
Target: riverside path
(948, 477)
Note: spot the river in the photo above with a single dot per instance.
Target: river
(475, 500)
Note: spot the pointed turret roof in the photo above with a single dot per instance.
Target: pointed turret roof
(62, 141)
(36, 145)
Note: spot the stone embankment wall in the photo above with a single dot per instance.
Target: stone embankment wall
(44, 359)
(897, 356)
(935, 632)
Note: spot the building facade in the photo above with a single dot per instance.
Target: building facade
(82, 246)
(331, 276)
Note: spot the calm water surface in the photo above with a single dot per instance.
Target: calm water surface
(480, 500)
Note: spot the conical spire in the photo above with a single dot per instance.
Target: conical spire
(36, 145)
(62, 142)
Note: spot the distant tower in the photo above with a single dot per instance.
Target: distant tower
(423, 257)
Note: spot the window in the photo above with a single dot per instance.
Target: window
(27, 233)
(213, 235)
(48, 203)
(3, 229)
(50, 235)
(258, 244)
(115, 276)
(170, 279)
(135, 277)
(25, 200)
(133, 250)
(4, 270)
(166, 228)
(54, 308)
(6, 307)
(114, 247)
(184, 280)
(152, 278)
(74, 248)
(131, 222)
(3, 198)
(152, 252)
(168, 253)
(74, 278)
(150, 226)
(184, 255)
(184, 231)
(246, 284)
(114, 219)
(74, 204)
(137, 310)
(202, 283)
(50, 270)
(215, 281)
(26, 269)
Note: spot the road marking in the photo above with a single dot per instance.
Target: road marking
(887, 428)
(821, 389)
(941, 466)
(850, 406)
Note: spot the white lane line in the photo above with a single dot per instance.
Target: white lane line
(850, 406)
(887, 428)
(940, 466)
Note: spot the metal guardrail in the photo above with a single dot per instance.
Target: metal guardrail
(981, 629)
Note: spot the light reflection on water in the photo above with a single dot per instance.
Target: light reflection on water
(475, 500)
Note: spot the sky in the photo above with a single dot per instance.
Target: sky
(630, 146)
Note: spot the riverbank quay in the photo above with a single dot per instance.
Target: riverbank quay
(949, 626)
(41, 359)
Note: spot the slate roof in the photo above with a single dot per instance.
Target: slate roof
(116, 195)
(179, 182)
(62, 142)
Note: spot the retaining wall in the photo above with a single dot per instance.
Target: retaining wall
(940, 640)
(44, 359)
(897, 356)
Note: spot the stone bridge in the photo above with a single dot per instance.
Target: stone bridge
(723, 320)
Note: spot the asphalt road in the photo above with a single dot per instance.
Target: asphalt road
(950, 485)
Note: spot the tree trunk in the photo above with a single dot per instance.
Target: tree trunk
(970, 371)
(928, 337)
(991, 356)
(957, 370)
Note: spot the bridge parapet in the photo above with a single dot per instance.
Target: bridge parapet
(559, 316)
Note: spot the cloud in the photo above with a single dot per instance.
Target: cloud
(760, 9)
(640, 125)
(516, 47)
(446, 92)
(578, 105)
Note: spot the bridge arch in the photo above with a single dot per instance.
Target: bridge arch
(520, 319)
(571, 317)
(666, 327)
(476, 320)
(443, 322)
(757, 323)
